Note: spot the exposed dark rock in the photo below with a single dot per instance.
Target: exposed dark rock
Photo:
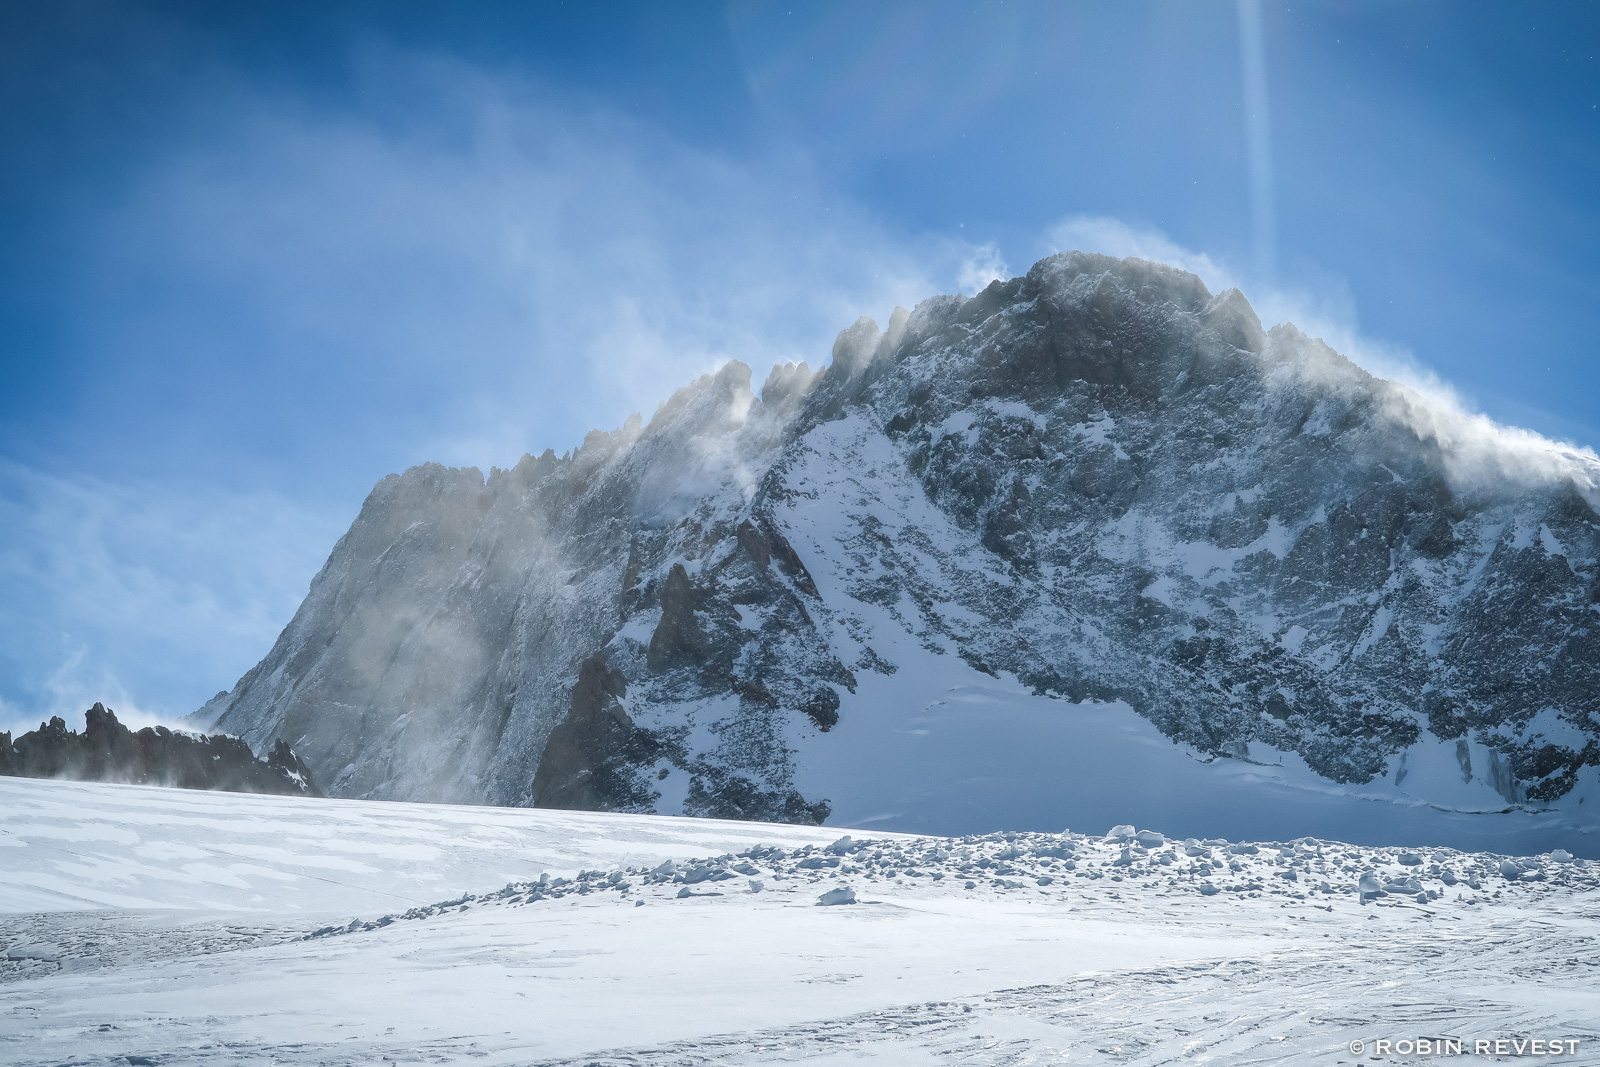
(755, 544)
(677, 638)
(718, 794)
(823, 709)
(108, 751)
(590, 759)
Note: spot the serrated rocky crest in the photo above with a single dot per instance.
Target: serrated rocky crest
(1098, 478)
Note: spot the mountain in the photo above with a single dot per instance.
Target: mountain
(107, 751)
(1092, 537)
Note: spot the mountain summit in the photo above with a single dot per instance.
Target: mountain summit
(1090, 537)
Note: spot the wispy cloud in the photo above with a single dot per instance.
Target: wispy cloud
(466, 270)
(535, 269)
(981, 266)
(139, 596)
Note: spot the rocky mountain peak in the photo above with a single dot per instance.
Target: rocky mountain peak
(1095, 483)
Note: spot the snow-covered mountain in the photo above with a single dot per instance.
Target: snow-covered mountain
(1089, 542)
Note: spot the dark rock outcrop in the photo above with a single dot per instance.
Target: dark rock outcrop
(677, 638)
(590, 760)
(108, 751)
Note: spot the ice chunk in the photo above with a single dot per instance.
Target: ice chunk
(843, 895)
(1119, 832)
(1561, 855)
(1149, 839)
(1369, 884)
(1510, 870)
(756, 885)
(45, 953)
(842, 846)
(1409, 859)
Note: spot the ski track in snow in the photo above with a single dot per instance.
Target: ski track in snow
(645, 943)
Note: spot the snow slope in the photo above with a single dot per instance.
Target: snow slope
(1005, 949)
(75, 845)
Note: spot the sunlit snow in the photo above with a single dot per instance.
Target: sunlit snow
(149, 926)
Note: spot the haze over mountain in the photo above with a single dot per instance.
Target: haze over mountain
(1092, 543)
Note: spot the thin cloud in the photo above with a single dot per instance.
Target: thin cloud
(537, 270)
(980, 267)
(142, 597)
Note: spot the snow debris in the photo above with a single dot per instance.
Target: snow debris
(1067, 866)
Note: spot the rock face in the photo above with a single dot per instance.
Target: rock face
(108, 751)
(1097, 478)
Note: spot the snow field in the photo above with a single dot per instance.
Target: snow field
(653, 945)
(73, 845)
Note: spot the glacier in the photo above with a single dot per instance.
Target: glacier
(143, 925)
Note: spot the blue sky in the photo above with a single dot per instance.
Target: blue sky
(255, 256)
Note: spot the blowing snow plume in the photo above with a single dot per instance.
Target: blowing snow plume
(1090, 544)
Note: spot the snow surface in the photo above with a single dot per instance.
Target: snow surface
(1003, 949)
(73, 845)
